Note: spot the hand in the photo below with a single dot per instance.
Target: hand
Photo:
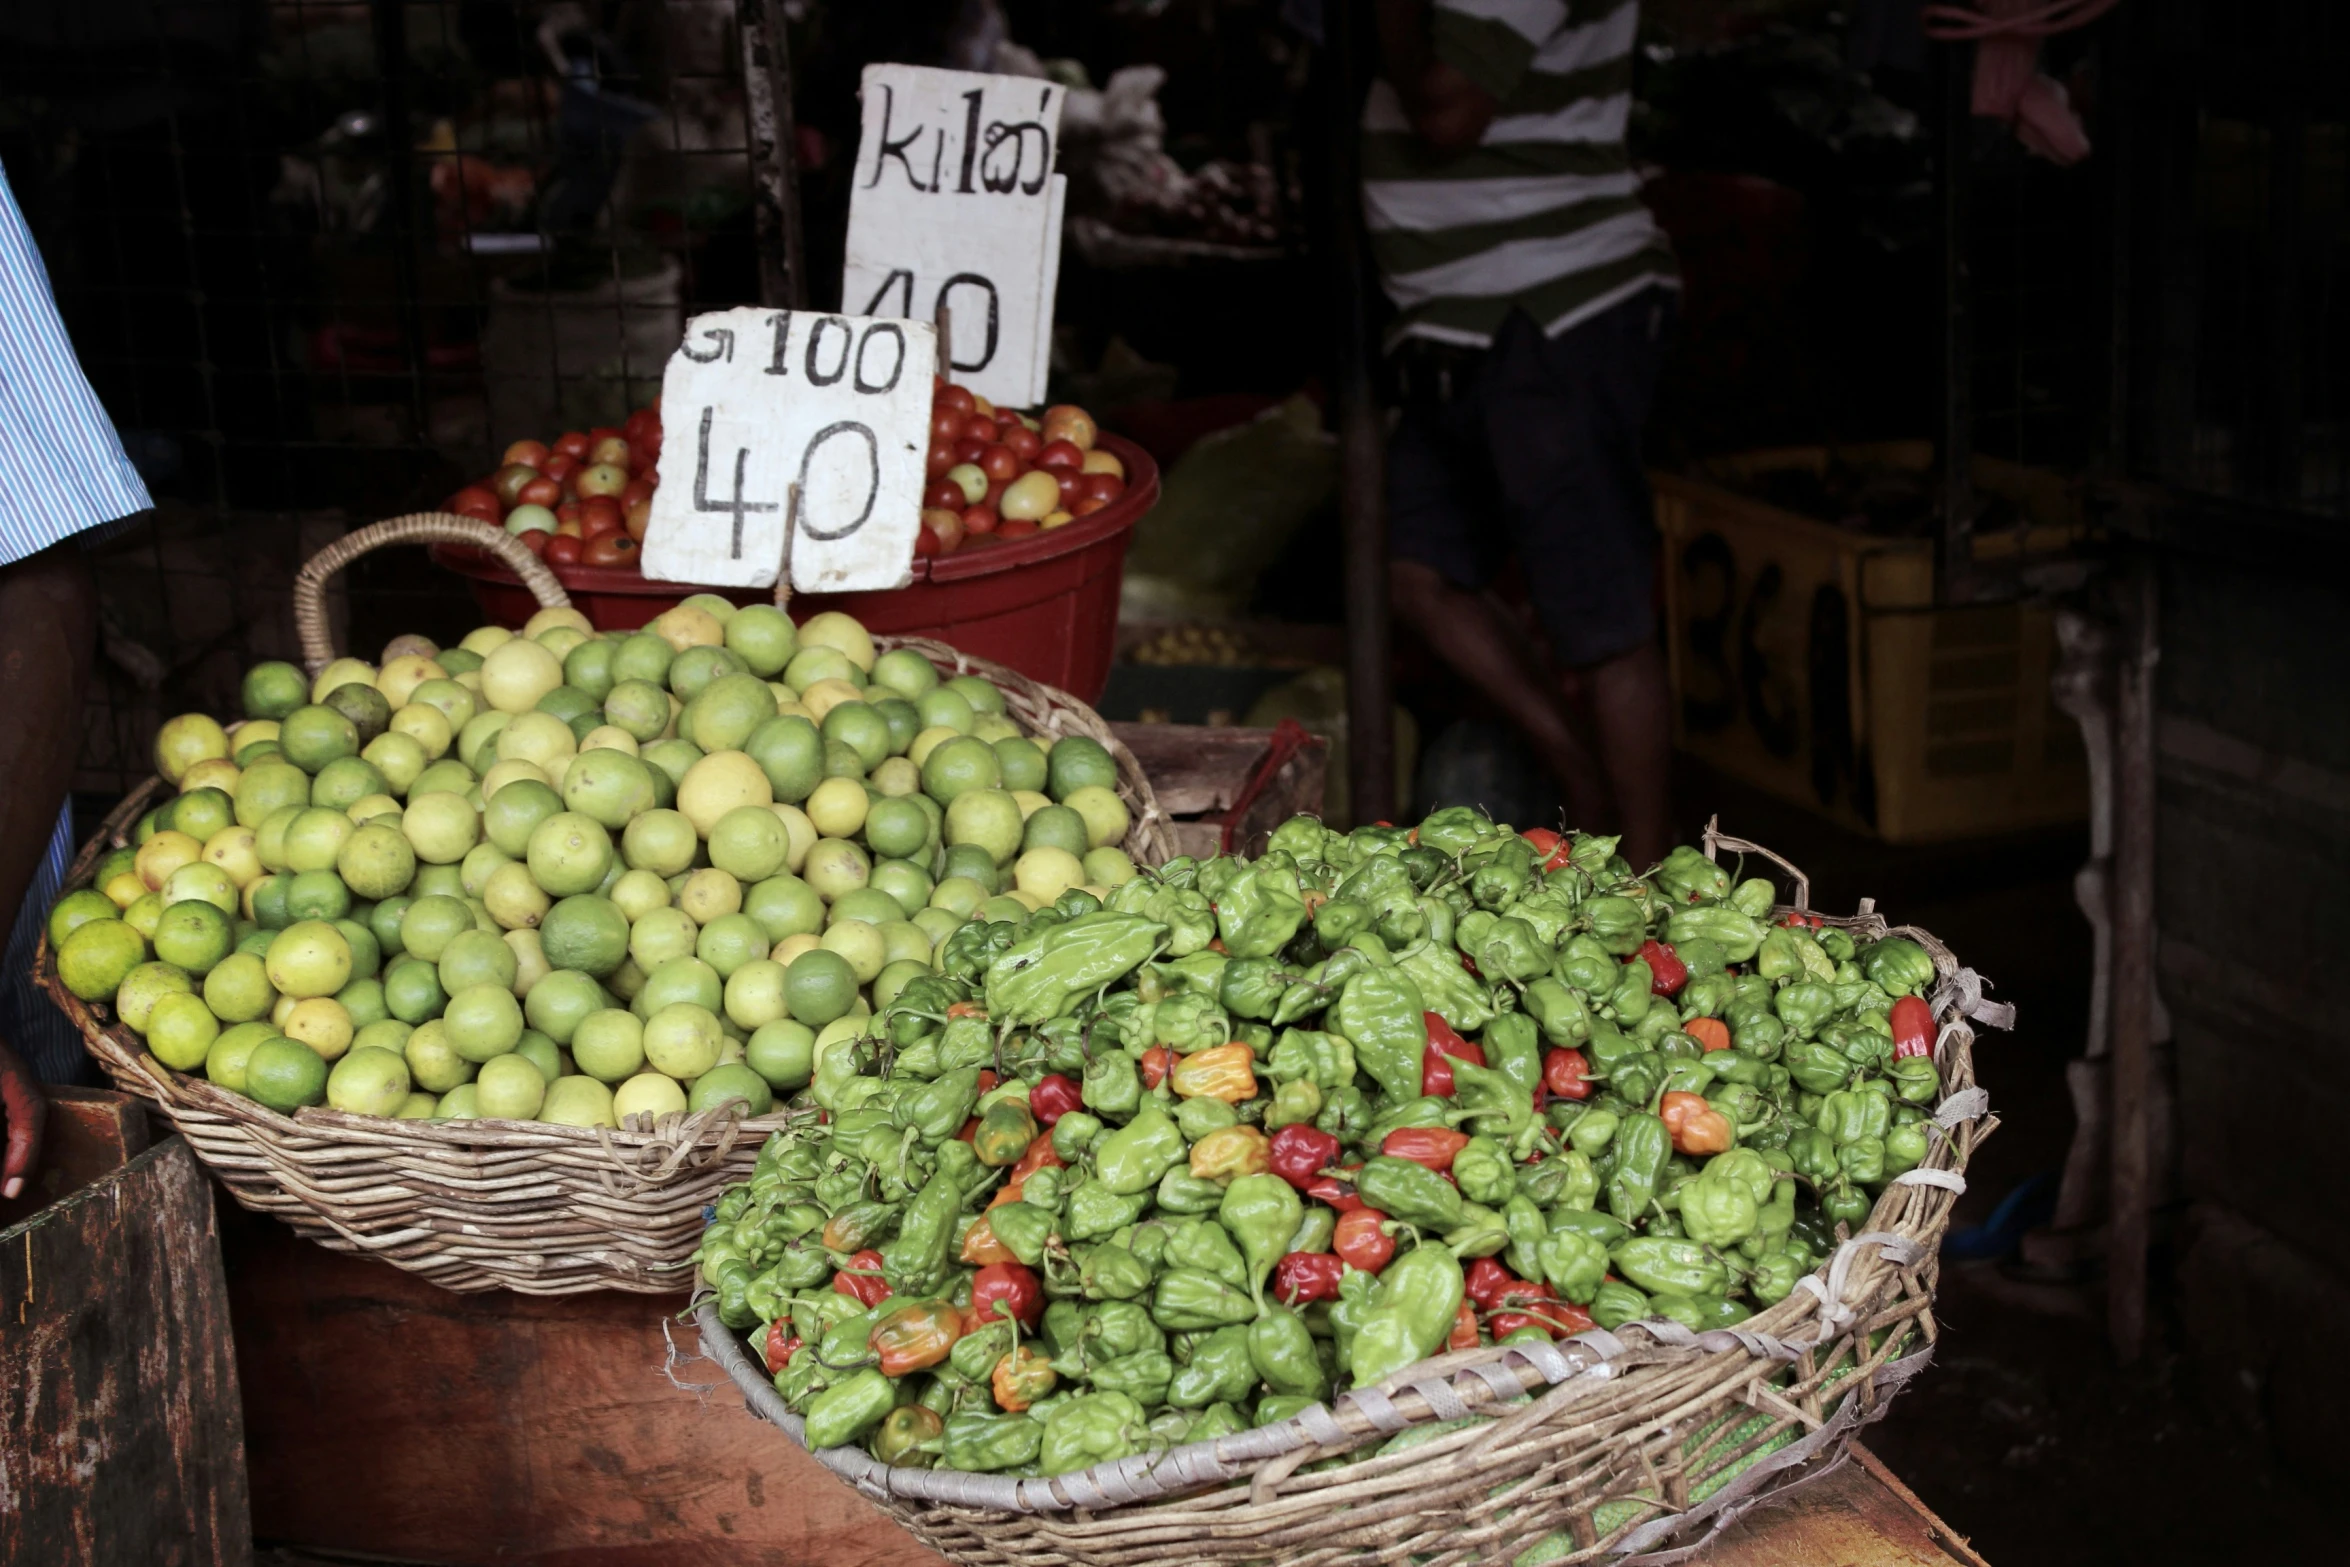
(27, 1110)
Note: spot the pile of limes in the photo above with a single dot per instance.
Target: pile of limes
(570, 876)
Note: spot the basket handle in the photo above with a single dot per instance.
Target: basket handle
(423, 527)
(1717, 840)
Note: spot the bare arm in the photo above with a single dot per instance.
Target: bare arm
(48, 639)
(1448, 111)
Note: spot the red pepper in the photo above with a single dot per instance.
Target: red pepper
(1301, 1153)
(915, 1336)
(1335, 1193)
(1040, 1156)
(782, 1344)
(861, 1280)
(1558, 1318)
(1486, 1280)
(1012, 1283)
(1362, 1241)
(1053, 1096)
(1566, 1074)
(1464, 1328)
(970, 1130)
(967, 1009)
(1669, 972)
(1796, 919)
(1307, 1275)
(1711, 1032)
(1444, 1047)
(1551, 849)
(1157, 1062)
(987, 1079)
(1433, 1146)
(1913, 1028)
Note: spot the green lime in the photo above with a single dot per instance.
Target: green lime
(446, 776)
(315, 735)
(958, 896)
(225, 1062)
(433, 1063)
(639, 708)
(268, 896)
(819, 987)
(585, 932)
(455, 661)
(556, 1003)
(862, 729)
(477, 742)
(729, 708)
(568, 702)
(959, 766)
(903, 941)
(366, 951)
(783, 1052)
(475, 957)
(683, 1040)
(267, 787)
(456, 703)
(483, 1021)
(317, 895)
(896, 828)
(869, 904)
(906, 672)
(660, 841)
(896, 978)
(180, 1029)
(988, 818)
(643, 656)
(569, 853)
(511, 814)
(784, 906)
(938, 924)
(309, 958)
(1003, 907)
(904, 720)
(790, 751)
(384, 921)
(861, 944)
(608, 787)
(945, 708)
(843, 760)
(730, 941)
(143, 915)
(200, 813)
(749, 843)
(364, 705)
(247, 755)
(284, 1074)
(754, 993)
(972, 861)
(1023, 763)
(431, 923)
(763, 637)
(376, 861)
(76, 909)
(610, 1045)
(345, 781)
(687, 980)
(904, 883)
(731, 1083)
(458, 1104)
(671, 760)
(575, 1100)
(981, 693)
(368, 1082)
(588, 667)
(1056, 827)
(273, 689)
(195, 936)
(509, 1088)
(412, 990)
(1077, 762)
(695, 669)
(362, 1002)
(438, 881)
(314, 837)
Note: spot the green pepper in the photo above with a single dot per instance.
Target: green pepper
(1738, 934)
(1633, 999)
(848, 1409)
(1045, 975)
(1316, 1228)
(1380, 1012)
(1455, 829)
(1494, 1102)
(1325, 1060)
(1848, 1115)
(1616, 1303)
(1481, 1232)
(1915, 1079)
(1204, 1244)
(1201, 972)
(915, 1262)
(1132, 1158)
(1418, 1296)
(1093, 1210)
(1642, 1145)
(1412, 1192)
(1593, 1131)
(1143, 1376)
(1190, 1021)
(1197, 1117)
(1261, 1212)
(1513, 1046)
(1282, 1352)
(1687, 876)
(938, 1109)
(1526, 1227)
(1181, 1192)
(975, 1354)
(1707, 997)
(1445, 988)
(1676, 1267)
(986, 1444)
(1688, 1077)
(1905, 1148)
(1560, 1012)
(1772, 1277)
(1574, 1263)
(1699, 1312)
(1566, 1179)
(1220, 1371)
(1190, 923)
(1817, 1067)
(1358, 1292)
(1862, 1159)
(1502, 871)
(1586, 965)
(1511, 951)
(1639, 1078)
(1113, 1273)
(1091, 1428)
(1294, 1104)
(1259, 911)
(1719, 1210)
(1898, 966)
(1341, 918)
(1804, 1006)
(1075, 1131)
(1483, 1171)
(1616, 923)
(1112, 1086)
(1188, 1299)
(1252, 988)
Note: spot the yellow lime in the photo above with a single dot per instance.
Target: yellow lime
(541, 739)
(903, 941)
(509, 1088)
(825, 696)
(418, 1106)
(788, 950)
(513, 898)
(609, 1045)
(1108, 866)
(688, 625)
(185, 741)
(285, 1074)
(682, 1040)
(994, 729)
(754, 993)
(376, 861)
(322, 1023)
(811, 666)
(315, 837)
(574, 1100)
(517, 672)
(843, 633)
(718, 783)
(709, 893)
(958, 895)
(225, 1062)
(165, 853)
(420, 724)
(638, 893)
(233, 850)
(1047, 872)
(608, 786)
(799, 830)
(458, 1104)
(401, 676)
(482, 1022)
(142, 987)
(835, 866)
(433, 1063)
(368, 1082)
(648, 1094)
(341, 672)
(1106, 816)
(904, 883)
(685, 979)
(660, 841)
(144, 915)
(309, 958)
(180, 1030)
(568, 854)
(201, 881)
(987, 818)
(213, 773)
(454, 702)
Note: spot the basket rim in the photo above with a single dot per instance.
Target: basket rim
(1903, 1231)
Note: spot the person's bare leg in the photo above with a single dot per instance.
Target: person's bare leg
(1631, 700)
(1466, 632)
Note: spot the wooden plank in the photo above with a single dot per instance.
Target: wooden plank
(1857, 1516)
(1194, 769)
(89, 1134)
(121, 1440)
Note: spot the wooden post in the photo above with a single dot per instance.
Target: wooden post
(2133, 967)
(775, 187)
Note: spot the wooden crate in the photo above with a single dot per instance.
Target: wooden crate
(121, 1438)
(1811, 661)
(1199, 774)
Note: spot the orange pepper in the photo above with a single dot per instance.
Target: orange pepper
(1697, 1127)
(916, 1336)
(1231, 1151)
(1157, 1062)
(1040, 1156)
(1004, 1195)
(1020, 1379)
(980, 1247)
(1464, 1328)
(1710, 1032)
(1222, 1073)
(967, 1009)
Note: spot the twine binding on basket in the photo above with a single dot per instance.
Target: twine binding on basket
(1612, 1416)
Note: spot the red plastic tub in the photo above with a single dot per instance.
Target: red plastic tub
(1047, 605)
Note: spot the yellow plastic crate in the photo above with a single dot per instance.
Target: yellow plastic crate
(1810, 660)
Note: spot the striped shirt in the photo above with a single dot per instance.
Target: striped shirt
(1544, 214)
(72, 477)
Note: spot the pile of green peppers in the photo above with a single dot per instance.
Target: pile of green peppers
(1139, 1172)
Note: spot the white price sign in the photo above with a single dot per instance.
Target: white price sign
(955, 204)
(790, 420)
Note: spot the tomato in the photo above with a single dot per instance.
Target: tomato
(976, 428)
(1106, 485)
(967, 478)
(612, 549)
(925, 543)
(1000, 462)
(536, 540)
(1019, 528)
(506, 484)
(639, 488)
(1071, 482)
(1072, 424)
(1029, 498)
(530, 519)
(574, 444)
(561, 466)
(945, 525)
(602, 479)
(938, 459)
(980, 519)
(944, 494)
(636, 424)
(539, 491)
(563, 550)
(1024, 442)
(945, 424)
(636, 516)
(1060, 454)
(528, 453)
(643, 456)
(1104, 462)
(475, 500)
(1086, 505)
(1059, 519)
(970, 451)
(599, 516)
(956, 398)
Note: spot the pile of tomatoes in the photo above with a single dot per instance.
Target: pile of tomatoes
(990, 474)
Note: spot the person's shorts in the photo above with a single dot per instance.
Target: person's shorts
(1531, 451)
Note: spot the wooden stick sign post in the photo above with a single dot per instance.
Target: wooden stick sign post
(796, 445)
(955, 208)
